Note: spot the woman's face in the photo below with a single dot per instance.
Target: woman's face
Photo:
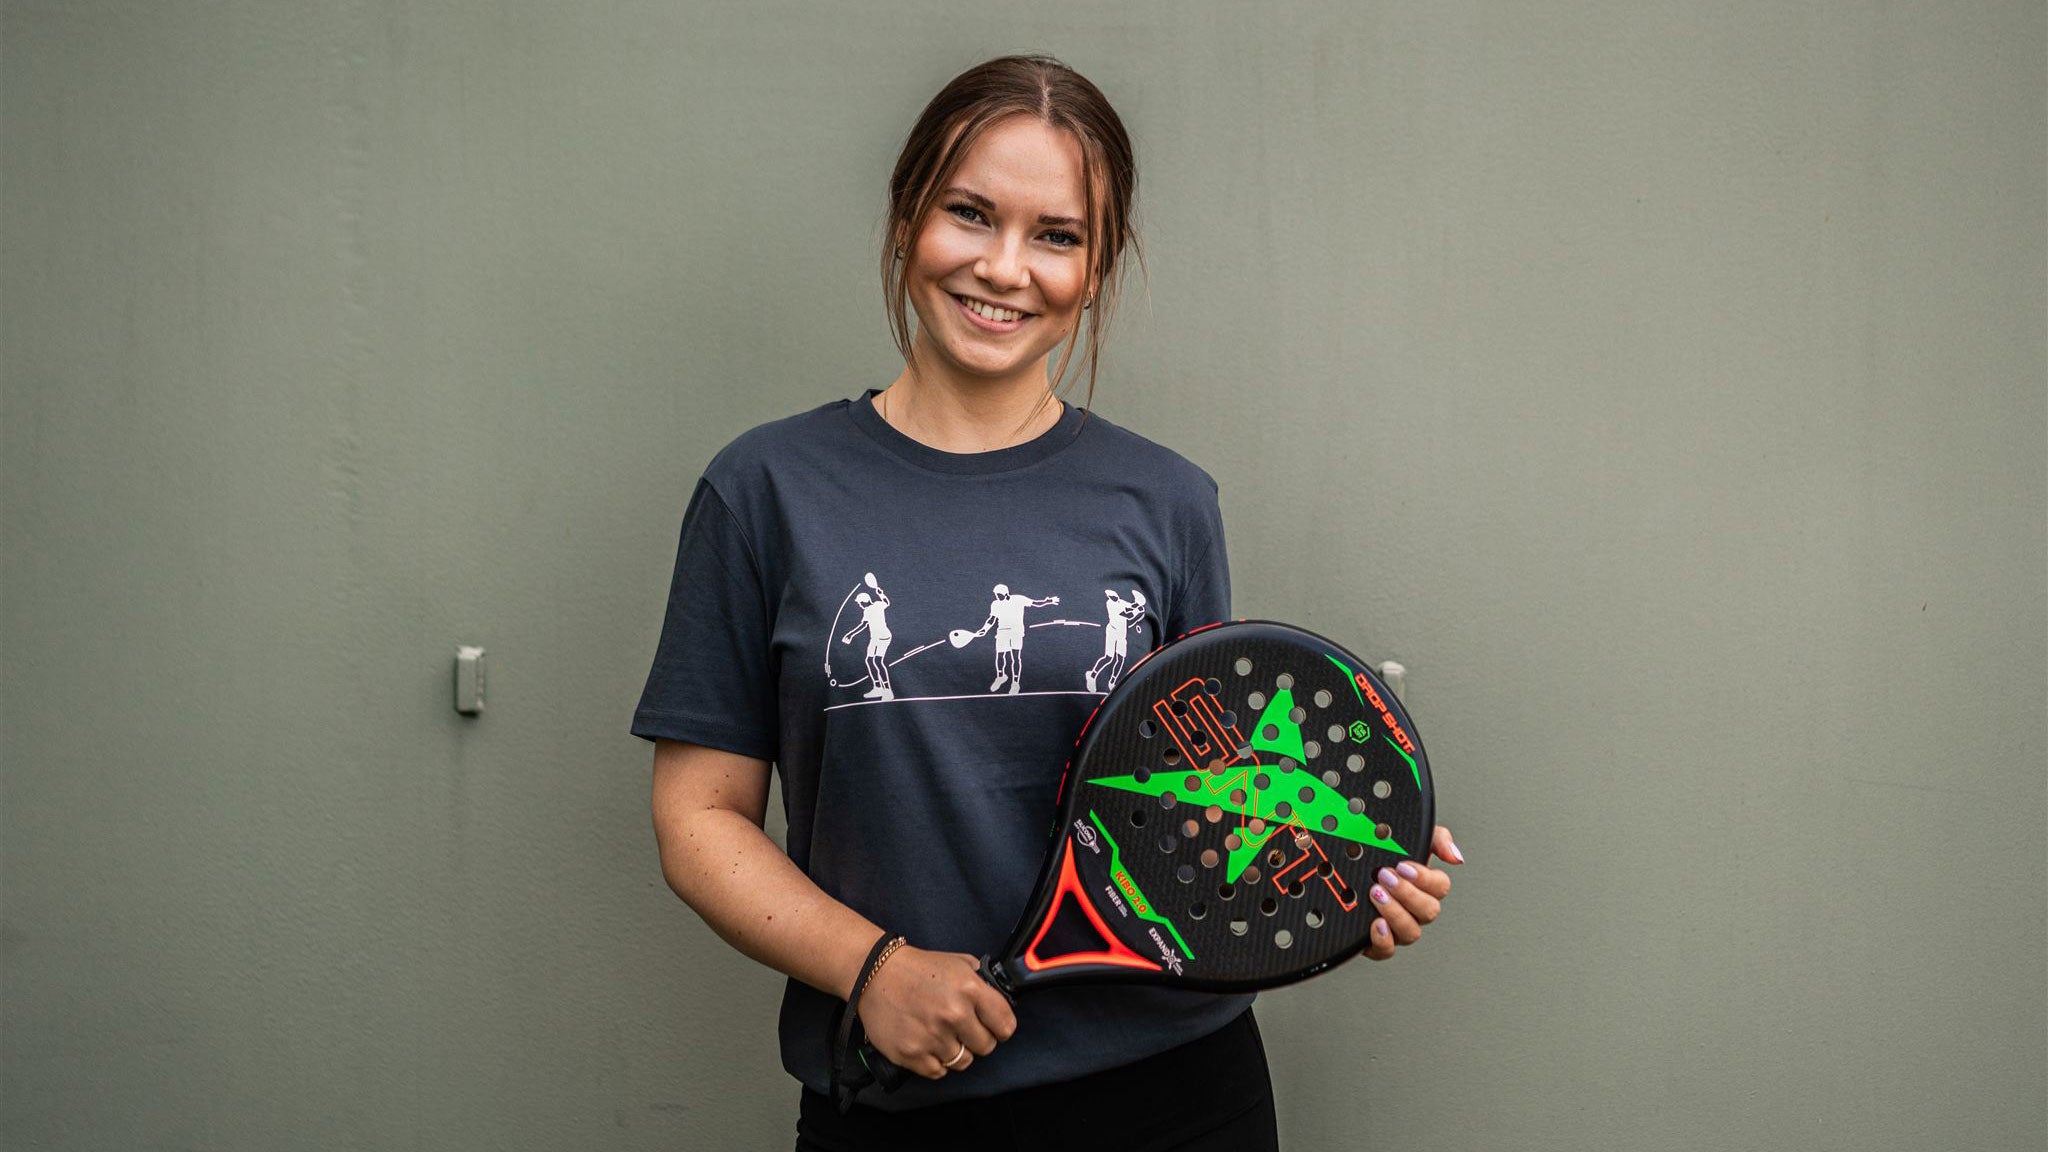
(989, 239)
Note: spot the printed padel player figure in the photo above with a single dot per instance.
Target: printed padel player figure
(874, 618)
(1122, 614)
(1006, 616)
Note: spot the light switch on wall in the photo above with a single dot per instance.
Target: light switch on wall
(469, 680)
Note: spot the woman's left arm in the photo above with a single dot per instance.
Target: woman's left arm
(1410, 895)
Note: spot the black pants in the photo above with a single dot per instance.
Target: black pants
(1208, 1094)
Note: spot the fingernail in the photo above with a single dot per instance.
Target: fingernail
(1406, 869)
(1456, 856)
(1379, 929)
(1379, 895)
(1388, 878)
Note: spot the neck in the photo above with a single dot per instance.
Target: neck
(979, 418)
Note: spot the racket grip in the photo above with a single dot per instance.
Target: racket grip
(891, 1077)
(888, 1075)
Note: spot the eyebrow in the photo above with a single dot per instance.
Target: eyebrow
(981, 201)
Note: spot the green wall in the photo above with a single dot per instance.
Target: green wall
(1665, 384)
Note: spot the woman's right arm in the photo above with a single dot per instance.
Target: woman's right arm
(709, 806)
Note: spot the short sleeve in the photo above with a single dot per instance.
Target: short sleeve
(712, 681)
(1204, 595)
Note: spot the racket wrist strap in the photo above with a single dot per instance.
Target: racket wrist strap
(849, 1073)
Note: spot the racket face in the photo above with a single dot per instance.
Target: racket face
(1223, 816)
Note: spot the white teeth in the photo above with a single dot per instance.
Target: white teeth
(980, 309)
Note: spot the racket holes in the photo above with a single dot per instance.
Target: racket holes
(1298, 714)
(1232, 842)
(1257, 826)
(1270, 732)
(1237, 796)
(1142, 775)
(1275, 859)
(1168, 800)
(1262, 781)
(1323, 867)
(1353, 851)
(1383, 832)
(1255, 700)
(1240, 927)
(1283, 809)
(1214, 814)
(1308, 793)
(1194, 783)
(1214, 686)
(1252, 874)
(1185, 873)
(1310, 750)
(1283, 680)
(1381, 789)
(1323, 697)
(1168, 842)
(1243, 666)
(1191, 829)
(1229, 719)
(1197, 910)
(1357, 806)
(1331, 778)
(1336, 733)
(1314, 918)
(1209, 857)
(1355, 762)
(1268, 906)
(1225, 891)
(1303, 840)
(1287, 765)
(1148, 729)
(1179, 707)
(1283, 939)
(1137, 818)
(1172, 757)
(1296, 888)
(1329, 823)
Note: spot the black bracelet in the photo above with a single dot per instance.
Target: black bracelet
(847, 1081)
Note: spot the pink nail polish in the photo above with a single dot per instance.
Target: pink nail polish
(1406, 869)
(1456, 855)
(1388, 879)
(1379, 895)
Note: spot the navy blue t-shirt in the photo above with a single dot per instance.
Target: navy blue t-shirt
(827, 566)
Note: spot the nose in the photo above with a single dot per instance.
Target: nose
(1002, 264)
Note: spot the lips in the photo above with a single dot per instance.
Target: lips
(988, 325)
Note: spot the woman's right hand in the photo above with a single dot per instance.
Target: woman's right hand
(920, 1007)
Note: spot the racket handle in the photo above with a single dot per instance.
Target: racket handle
(891, 1077)
(888, 1075)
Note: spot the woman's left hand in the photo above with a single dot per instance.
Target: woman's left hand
(1410, 895)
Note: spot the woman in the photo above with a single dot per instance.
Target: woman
(919, 812)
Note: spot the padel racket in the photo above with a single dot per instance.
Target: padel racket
(1220, 821)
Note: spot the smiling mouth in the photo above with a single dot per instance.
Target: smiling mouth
(967, 305)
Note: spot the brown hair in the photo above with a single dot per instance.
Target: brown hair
(1062, 98)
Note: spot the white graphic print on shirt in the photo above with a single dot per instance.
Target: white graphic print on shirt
(1007, 616)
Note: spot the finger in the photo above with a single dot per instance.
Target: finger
(1434, 881)
(1445, 848)
(1420, 904)
(1399, 921)
(1380, 943)
(969, 1030)
(995, 1015)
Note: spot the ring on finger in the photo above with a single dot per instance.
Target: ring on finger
(956, 1057)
